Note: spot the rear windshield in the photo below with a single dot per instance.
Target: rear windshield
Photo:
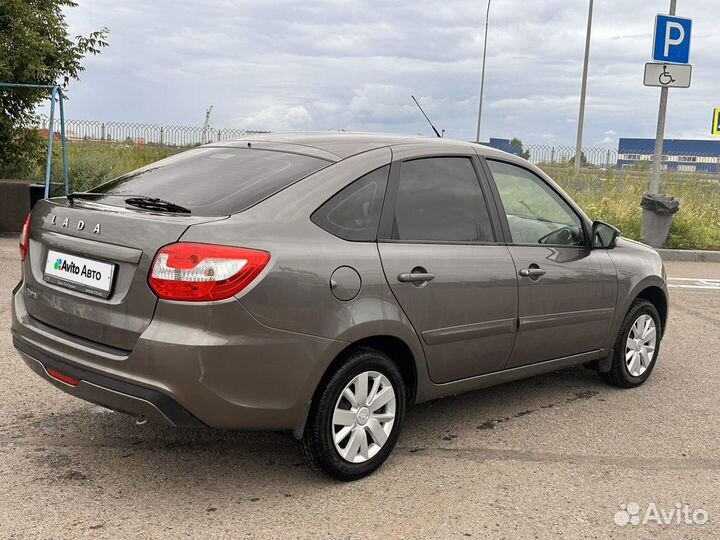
(213, 181)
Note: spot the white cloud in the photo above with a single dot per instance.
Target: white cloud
(279, 118)
(323, 64)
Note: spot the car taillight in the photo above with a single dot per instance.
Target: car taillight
(202, 272)
(67, 379)
(24, 238)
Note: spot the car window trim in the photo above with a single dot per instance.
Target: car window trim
(439, 242)
(391, 193)
(503, 216)
(489, 197)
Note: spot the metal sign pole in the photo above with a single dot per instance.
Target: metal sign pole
(482, 76)
(583, 91)
(660, 135)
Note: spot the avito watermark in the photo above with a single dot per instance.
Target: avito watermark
(680, 514)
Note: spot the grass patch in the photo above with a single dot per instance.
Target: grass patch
(614, 196)
(92, 163)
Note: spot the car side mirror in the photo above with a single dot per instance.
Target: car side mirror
(604, 236)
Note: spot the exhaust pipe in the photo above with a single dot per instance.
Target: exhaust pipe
(140, 421)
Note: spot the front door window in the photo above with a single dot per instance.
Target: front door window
(535, 213)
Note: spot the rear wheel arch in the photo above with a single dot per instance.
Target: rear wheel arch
(395, 348)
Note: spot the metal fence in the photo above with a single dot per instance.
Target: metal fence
(598, 157)
(136, 133)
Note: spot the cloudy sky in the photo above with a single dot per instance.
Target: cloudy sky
(352, 64)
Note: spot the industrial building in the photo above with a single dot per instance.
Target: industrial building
(681, 155)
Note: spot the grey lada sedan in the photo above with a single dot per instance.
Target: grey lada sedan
(322, 283)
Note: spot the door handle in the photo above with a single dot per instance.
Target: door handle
(418, 275)
(533, 272)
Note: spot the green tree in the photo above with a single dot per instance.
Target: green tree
(517, 143)
(35, 48)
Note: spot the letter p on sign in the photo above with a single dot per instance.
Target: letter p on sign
(669, 39)
(672, 39)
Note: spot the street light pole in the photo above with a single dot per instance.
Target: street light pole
(660, 134)
(482, 76)
(583, 91)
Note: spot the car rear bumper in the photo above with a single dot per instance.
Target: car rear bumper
(111, 393)
(221, 369)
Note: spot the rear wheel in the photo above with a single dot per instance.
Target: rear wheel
(636, 347)
(355, 419)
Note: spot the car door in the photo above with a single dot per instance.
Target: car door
(441, 258)
(566, 291)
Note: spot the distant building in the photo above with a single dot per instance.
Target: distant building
(682, 155)
(504, 145)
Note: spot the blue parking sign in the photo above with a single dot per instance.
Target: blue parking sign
(672, 39)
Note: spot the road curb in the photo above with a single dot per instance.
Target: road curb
(689, 255)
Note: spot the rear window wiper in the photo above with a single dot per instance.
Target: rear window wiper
(152, 203)
(139, 201)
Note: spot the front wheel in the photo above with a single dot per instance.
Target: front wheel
(636, 347)
(355, 419)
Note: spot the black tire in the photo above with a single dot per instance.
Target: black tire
(317, 443)
(619, 375)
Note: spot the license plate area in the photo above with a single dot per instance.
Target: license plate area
(80, 274)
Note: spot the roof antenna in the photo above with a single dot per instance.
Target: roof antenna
(426, 117)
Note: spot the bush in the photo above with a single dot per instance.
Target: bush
(92, 163)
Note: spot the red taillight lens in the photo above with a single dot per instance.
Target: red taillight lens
(67, 379)
(24, 238)
(202, 272)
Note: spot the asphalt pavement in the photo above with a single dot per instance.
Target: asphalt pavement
(557, 456)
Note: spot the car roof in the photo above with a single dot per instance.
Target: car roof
(343, 144)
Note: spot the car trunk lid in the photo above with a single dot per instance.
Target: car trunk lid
(117, 239)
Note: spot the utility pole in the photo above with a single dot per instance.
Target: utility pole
(583, 91)
(660, 134)
(482, 76)
(206, 124)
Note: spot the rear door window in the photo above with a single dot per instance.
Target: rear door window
(213, 181)
(440, 200)
(354, 212)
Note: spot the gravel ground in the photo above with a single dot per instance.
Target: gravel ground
(553, 456)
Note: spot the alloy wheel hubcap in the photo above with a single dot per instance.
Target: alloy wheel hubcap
(363, 417)
(640, 345)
